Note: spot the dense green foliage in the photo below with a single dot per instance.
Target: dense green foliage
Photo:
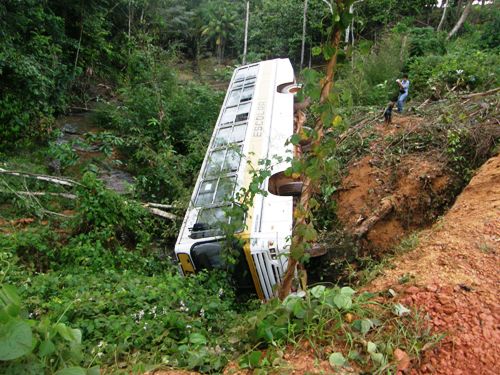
(161, 125)
(91, 282)
(33, 70)
(51, 52)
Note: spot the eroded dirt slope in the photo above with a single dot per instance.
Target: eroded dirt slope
(406, 192)
(454, 273)
(402, 176)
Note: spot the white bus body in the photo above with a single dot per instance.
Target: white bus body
(255, 121)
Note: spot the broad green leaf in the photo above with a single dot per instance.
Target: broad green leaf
(47, 347)
(318, 291)
(298, 310)
(310, 234)
(371, 347)
(295, 139)
(13, 310)
(342, 301)
(16, 340)
(336, 359)
(316, 51)
(377, 357)
(9, 295)
(69, 334)
(290, 301)
(347, 291)
(254, 358)
(71, 371)
(94, 371)
(197, 339)
(366, 325)
(328, 52)
(77, 334)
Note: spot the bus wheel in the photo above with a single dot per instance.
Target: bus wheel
(286, 186)
(289, 88)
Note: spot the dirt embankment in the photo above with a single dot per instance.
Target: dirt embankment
(455, 280)
(407, 178)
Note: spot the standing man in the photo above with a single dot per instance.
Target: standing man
(403, 91)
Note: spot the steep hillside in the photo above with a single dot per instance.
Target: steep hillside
(454, 279)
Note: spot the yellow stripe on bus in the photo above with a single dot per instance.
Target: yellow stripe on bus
(251, 264)
(254, 153)
(186, 264)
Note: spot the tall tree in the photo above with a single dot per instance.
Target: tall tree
(220, 26)
(443, 16)
(245, 43)
(461, 20)
(304, 25)
(304, 232)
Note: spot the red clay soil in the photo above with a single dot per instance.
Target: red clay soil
(455, 277)
(296, 361)
(418, 184)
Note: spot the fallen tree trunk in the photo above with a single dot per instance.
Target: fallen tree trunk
(161, 213)
(40, 194)
(152, 207)
(386, 206)
(41, 177)
(158, 205)
(479, 94)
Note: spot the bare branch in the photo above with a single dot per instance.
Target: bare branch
(164, 214)
(40, 194)
(478, 94)
(56, 180)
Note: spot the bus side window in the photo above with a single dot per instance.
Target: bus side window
(234, 98)
(243, 111)
(211, 217)
(223, 137)
(206, 193)
(228, 116)
(241, 74)
(239, 132)
(247, 94)
(252, 71)
(225, 189)
(215, 161)
(232, 162)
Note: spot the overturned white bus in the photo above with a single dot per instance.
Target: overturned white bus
(254, 123)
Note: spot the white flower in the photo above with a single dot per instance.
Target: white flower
(139, 316)
(459, 71)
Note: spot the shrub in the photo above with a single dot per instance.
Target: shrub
(464, 69)
(424, 41)
(33, 71)
(371, 80)
(32, 347)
